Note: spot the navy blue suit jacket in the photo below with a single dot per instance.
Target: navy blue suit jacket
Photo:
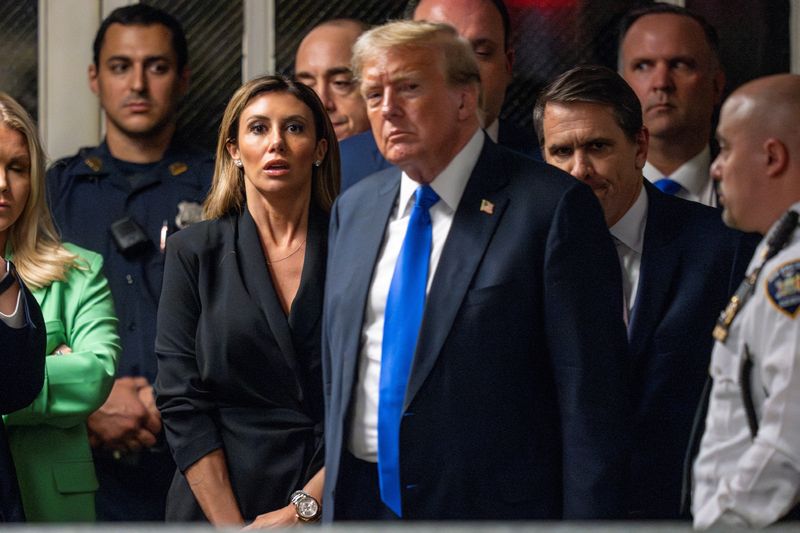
(691, 265)
(21, 378)
(517, 388)
(360, 156)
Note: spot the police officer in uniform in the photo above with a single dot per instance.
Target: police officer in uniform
(747, 472)
(122, 199)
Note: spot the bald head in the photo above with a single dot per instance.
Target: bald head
(759, 162)
(323, 63)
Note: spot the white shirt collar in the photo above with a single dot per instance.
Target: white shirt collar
(451, 182)
(692, 175)
(493, 130)
(630, 228)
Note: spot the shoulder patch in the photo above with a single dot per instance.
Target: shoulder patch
(783, 288)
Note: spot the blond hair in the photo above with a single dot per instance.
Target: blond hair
(459, 63)
(227, 187)
(38, 254)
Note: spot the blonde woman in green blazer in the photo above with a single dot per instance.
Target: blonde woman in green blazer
(48, 438)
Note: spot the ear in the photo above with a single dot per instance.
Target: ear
(321, 150)
(93, 79)
(777, 157)
(233, 149)
(468, 101)
(642, 143)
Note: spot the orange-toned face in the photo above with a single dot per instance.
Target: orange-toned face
(417, 117)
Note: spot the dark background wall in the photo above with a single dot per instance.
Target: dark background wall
(549, 36)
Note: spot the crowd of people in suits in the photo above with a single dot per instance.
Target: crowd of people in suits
(379, 300)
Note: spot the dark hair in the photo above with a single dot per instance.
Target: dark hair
(500, 5)
(227, 186)
(144, 15)
(592, 84)
(659, 8)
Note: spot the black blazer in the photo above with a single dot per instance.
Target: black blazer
(22, 354)
(233, 372)
(691, 265)
(518, 388)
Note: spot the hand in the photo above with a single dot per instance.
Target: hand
(148, 399)
(121, 423)
(62, 349)
(284, 517)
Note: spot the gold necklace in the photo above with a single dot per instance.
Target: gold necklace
(288, 256)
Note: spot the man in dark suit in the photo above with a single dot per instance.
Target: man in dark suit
(22, 338)
(679, 265)
(473, 343)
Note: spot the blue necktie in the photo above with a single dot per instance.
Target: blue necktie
(402, 319)
(668, 186)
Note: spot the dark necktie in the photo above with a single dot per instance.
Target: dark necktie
(668, 186)
(402, 319)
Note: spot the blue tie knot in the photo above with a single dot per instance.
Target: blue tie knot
(425, 197)
(668, 186)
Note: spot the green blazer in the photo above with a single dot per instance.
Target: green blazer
(48, 438)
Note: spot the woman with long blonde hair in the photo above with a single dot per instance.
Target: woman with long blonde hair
(48, 438)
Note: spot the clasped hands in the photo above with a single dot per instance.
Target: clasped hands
(128, 421)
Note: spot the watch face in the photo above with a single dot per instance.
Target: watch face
(307, 508)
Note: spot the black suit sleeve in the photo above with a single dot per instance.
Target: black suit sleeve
(22, 357)
(588, 342)
(187, 407)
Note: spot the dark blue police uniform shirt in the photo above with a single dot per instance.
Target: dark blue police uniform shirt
(89, 191)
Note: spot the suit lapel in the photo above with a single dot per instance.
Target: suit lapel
(369, 224)
(466, 243)
(657, 272)
(258, 282)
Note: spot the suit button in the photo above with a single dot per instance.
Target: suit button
(129, 279)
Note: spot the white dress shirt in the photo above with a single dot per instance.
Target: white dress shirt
(628, 235)
(694, 176)
(449, 185)
(740, 481)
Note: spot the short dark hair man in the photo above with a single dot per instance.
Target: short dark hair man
(676, 276)
(670, 56)
(121, 199)
(747, 473)
(473, 369)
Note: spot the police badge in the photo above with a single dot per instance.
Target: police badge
(188, 214)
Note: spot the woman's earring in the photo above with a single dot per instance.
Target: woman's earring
(317, 163)
(237, 162)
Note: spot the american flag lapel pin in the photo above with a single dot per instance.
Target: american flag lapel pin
(487, 207)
